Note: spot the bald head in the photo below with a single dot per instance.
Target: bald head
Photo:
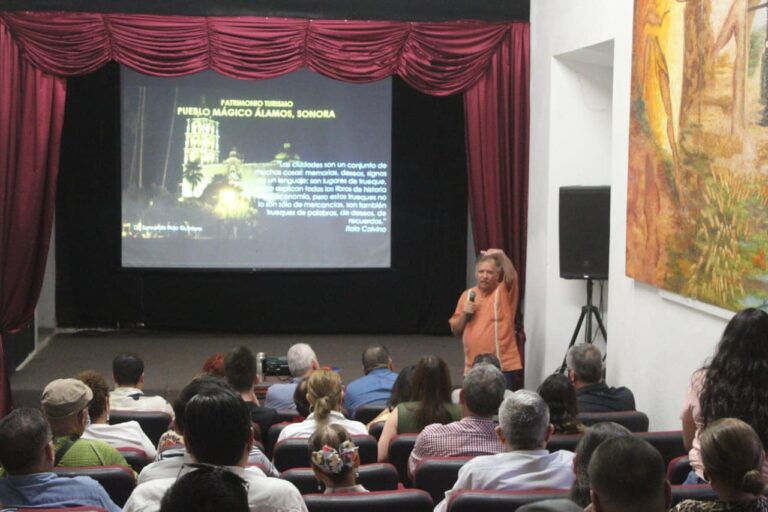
(376, 356)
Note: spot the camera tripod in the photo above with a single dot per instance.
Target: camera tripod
(586, 313)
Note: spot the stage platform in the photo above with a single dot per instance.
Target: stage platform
(172, 359)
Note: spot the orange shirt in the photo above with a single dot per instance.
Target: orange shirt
(490, 324)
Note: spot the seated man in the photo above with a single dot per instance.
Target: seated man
(627, 474)
(475, 434)
(171, 460)
(375, 387)
(127, 434)
(301, 362)
(585, 369)
(26, 453)
(486, 358)
(65, 405)
(525, 464)
(128, 372)
(240, 371)
(217, 431)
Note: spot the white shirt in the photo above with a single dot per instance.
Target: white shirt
(170, 467)
(123, 435)
(307, 427)
(122, 399)
(520, 470)
(264, 494)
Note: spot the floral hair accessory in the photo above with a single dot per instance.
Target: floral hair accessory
(329, 460)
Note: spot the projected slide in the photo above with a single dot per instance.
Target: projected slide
(291, 172)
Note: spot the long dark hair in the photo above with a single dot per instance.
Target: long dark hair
(432, 390)
(735, 380)
(560, 396)
(402, 389)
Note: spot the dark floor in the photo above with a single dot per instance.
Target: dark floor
(173, 358)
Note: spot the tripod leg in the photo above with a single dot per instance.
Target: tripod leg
(600, 325)
(584, 310)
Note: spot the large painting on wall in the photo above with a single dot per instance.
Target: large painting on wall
(697, 212)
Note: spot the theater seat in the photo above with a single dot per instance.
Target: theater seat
(118, 481)
(635, 421)
(400, 449)
(499, 501)
(374, 477)
(678, 470)
(405, 500)
(563, 442)
(135, 457)
(435, 475)
(272, 435)
(669, 444)
(366, 413)
(294, 452)
(153, 423)
(701, 492)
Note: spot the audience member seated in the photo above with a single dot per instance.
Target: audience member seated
(300, 399)
(375, 387)
(128, 373)
(587, 445)
(401, 392)
(301, 362)
(27, 455)
(431, 403)
(475, 434)
(65, 405)
(560, 396)
(525, 464)
(122, 435)
(627, 475)
(213, 366)
(240, 369)
(217, 431)
(173, 458)
(207, 489)
(325, 393)
(486, 358)
(731, 386)
(585, 369)
(733, 459)
(334, 460)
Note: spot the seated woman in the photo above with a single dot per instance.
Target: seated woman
(123, 435)
(401, 392)
(560, 395)
(733, 455)
(431, 403)
(325, 394)
(334, 459)
(730, 386)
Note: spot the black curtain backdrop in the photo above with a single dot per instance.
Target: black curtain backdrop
(417, 295)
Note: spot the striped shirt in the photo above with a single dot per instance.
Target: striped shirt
(471, 436)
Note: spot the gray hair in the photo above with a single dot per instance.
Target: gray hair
(524, 419)
(586, 361)
(485, 257)
(300, 359)
(484, 388)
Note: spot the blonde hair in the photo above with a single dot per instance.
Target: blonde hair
(733, 454)
(324, 393)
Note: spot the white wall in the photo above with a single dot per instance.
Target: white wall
(579, 136)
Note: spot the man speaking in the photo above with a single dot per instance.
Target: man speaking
(485, 315)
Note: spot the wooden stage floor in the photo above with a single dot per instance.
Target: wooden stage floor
(173, 358)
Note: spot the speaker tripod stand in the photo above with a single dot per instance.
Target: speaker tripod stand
(587, 311)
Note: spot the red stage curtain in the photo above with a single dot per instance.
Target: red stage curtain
(31, 117)
(496, 113)
(486, 60)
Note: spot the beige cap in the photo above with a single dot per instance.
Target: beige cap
(64, 397)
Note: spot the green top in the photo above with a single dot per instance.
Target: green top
(406, 416)
(88, 452)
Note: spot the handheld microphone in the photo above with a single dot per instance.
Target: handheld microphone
(471, 299)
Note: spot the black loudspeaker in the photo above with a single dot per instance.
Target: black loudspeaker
(584, 232)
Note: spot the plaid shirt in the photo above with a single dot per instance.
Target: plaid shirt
(469, 437)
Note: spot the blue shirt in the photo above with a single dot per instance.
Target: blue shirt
(280, 396)
(374, 388)
(51, 490)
